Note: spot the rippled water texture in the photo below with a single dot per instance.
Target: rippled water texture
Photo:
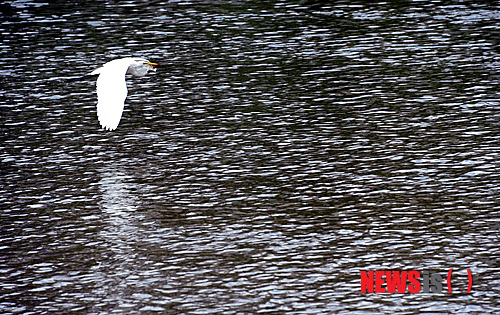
(281, 148)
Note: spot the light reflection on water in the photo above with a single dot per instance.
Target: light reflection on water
(280, 149)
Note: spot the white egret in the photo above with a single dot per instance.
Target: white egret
(112, 88)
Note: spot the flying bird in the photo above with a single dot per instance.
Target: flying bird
(112, 88)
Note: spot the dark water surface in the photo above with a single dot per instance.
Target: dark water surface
(281, 148)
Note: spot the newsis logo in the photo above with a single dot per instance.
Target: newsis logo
(395, 281)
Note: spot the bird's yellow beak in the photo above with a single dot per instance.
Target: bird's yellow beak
(152, 63)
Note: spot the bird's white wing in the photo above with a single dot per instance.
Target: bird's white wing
(111, 93)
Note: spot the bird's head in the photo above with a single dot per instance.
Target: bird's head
(140, 67)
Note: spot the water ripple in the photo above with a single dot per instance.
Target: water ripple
(280, 149)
